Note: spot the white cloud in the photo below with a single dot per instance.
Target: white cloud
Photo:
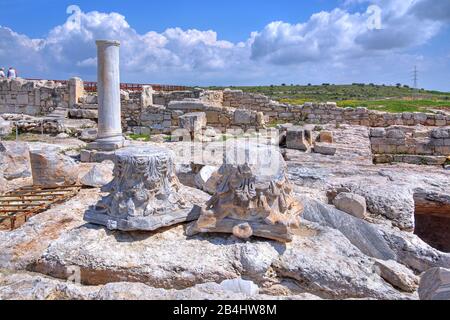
(337, 40)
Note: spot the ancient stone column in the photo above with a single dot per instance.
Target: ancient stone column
(109, 136)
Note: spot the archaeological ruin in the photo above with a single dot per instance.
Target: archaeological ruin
(161, 192)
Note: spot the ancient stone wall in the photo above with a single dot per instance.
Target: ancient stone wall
(32, 97)
(260, 103)
(213, 97)
(159, 111)
(330, 113)
(164, 98)
(410, 145)
(323, 113)
(161, 119)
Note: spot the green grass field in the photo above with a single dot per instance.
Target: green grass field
(376, 97)
(387, 105)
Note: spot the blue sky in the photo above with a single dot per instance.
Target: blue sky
(251, 42)
(233, 20)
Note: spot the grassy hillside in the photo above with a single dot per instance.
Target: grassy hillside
(376, 97)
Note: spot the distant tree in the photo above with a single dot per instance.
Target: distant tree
(325, 84)
(406, 86)
(309, 84)
(398, 85)
(283, 84)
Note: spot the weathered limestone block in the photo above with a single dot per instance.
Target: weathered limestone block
(325, 149)
(245, 117)
(326, 137)
(76, 91)
(397, 274)
(193, 122)
(188, 104)
(22, 99)
(352, 204)
(253, 197)
(145, 193)
(435, 285)
(146, 96)
(52, 169)
(14, 160)
(83, 113)
(440, 133)
(88, 135)
(297, 139)
(89, 99)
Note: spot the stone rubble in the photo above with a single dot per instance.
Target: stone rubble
(352, 204)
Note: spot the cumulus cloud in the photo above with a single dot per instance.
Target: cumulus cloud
(341, 35)
(327, 35)
(336, 40)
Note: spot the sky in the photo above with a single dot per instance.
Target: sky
(253, 42)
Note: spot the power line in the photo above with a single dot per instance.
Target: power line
(415, 77)
(416, 82)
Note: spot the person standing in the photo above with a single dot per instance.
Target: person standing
(2, 73)
(12, 73)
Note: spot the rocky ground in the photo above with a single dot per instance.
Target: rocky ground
(358, 254)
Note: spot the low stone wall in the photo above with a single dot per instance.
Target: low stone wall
(410, 145)
(330, 113)
(260, 103)
(32, 97)
(324, 113)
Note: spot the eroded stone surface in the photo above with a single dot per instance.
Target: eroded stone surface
(30, 286)
(14, 160)
(320, 261)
